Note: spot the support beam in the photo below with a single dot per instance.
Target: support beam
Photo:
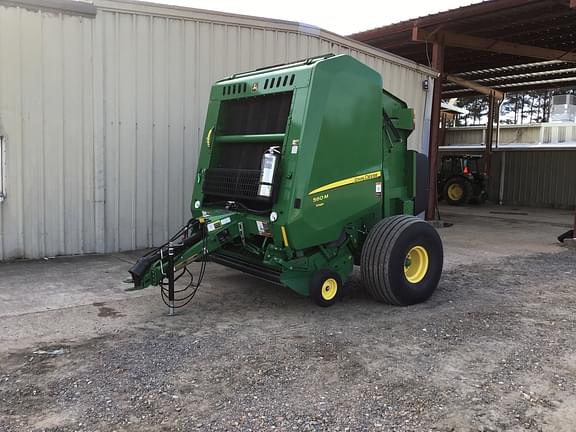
(536, 67)
(457, 91)
(492, 45)
(523, 77)
(438, 64)
(489, 137)
(474, 86)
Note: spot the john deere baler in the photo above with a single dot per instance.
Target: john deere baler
(304, 172)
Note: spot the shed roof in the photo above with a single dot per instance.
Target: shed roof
(549, 24)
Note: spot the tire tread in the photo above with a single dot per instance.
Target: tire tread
(378, 249)
(377, 253)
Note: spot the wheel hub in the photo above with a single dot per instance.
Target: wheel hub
(455, 192)
(416, 264)
(329, 289)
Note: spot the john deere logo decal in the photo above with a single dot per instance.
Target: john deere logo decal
(346, 182)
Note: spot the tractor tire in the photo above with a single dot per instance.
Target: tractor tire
(457, 191)
(402, 260)
(325, 287)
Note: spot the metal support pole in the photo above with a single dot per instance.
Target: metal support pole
(502, 177)
(499, 103)
(170, 271)
(438, 65)
(489, 137)
(443, 122)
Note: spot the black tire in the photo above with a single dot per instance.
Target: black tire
(457, 191)
(321, 286)
(385, 255)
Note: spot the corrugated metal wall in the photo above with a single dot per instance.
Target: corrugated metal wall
(537, 178)
(540, 178)
(103, 115)
(46, 115)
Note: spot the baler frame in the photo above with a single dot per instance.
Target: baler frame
(309, 231)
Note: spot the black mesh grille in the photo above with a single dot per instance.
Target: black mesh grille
(231, 184)
(239, 155)
(255, 115)
(234, 172)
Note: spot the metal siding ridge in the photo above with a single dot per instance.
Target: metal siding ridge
(31, 133)
(87, 197)
(17, 139)
(62, 141)
(126, 109)
(2, 133)
(73, 142)
(99, 136)
(71, 7)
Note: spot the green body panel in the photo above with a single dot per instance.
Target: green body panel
(340, 138)
(343, 166)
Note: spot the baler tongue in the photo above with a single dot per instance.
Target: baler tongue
(192, 243)
(140, 270)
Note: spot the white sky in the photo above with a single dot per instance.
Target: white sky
(348, 17)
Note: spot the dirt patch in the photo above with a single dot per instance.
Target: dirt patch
(106, 311)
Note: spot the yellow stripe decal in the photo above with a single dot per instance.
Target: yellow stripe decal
(346, 182)
(284, 236)
(209, 137)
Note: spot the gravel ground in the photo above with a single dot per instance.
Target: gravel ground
(494, 349)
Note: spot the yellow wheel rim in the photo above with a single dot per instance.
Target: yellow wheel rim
(455, 192)
(329, 289)
(416, 264)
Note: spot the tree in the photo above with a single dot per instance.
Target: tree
(477, 108)
(517, 108)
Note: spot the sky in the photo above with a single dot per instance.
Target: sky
(345, 18)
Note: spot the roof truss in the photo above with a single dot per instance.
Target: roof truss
(492, 45)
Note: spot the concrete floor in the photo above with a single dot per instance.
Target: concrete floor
(493, 349)
(67, 294)
(489, 232)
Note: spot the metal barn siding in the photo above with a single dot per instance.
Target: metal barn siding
(103, 114)
(531, 177)
(540, 178)
(46, 116)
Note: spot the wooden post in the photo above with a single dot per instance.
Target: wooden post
(438, 65)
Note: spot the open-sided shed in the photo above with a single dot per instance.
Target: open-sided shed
(491, 47)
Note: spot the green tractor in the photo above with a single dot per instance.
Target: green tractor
(460, 180)
(304, 172)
